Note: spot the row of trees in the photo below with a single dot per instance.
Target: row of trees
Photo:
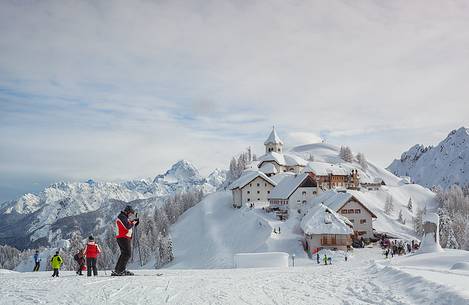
(238, 165)
(346, 154)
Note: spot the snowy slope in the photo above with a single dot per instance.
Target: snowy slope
(323, 152)
(443, 165)
(49, 216)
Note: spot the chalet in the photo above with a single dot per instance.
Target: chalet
(291, 193)
(331, 176)
(251, 187)
(349, 206)
(324, 228)
(275, 161)
(372, 185)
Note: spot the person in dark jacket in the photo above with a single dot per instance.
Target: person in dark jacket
(37, 261)
(317, 257)
(91, 251)
(124, 228)
(80, 259)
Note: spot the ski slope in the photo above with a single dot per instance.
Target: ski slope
(364, 279)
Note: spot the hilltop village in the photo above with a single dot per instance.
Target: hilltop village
(322, 195)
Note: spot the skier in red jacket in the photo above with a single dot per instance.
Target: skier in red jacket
(124, 228)
(91, 252)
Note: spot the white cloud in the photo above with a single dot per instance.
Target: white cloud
(120, 89)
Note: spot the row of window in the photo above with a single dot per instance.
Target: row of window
(362, 221)
(258, 184)
(350, 211)
(249, 192)
(258, 199)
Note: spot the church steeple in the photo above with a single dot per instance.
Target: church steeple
(273, 142)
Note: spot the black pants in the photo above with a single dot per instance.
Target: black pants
(126, 252)
(37, 266)
(56, 273)
(81, 264)
(91, 264)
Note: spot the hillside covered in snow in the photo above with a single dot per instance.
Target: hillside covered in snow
(45, 218)
(442, 165)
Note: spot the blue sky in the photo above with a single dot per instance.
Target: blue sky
(118, 90)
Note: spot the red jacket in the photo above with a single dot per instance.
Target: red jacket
(92, 250)
(123, 226)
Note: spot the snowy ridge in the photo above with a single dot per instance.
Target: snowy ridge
(46, 217)
(443, 165)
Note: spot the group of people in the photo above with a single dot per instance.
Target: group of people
(86, 258)
(397, 247)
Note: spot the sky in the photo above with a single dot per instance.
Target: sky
(115, 90)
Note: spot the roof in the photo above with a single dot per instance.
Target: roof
(273, 138)
(280, 176)
(268, 168)
(247, 177)
(324, 169)
(323, 220)
(287, 186)
(335, 200)
(283, 159)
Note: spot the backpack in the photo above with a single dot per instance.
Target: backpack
(76, 257)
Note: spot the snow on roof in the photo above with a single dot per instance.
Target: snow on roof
(247, 177)
(323, 220)
(431, 217)
(335, 200)
(268, 168)
(280, 176)
(273, 138)
(324, 169)
(283, 159)
(287, 186)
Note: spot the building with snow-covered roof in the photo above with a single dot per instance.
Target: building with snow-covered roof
(372, 184)
(324, 228)
(331, 176)
(251, 187)
(291, 193)
(349, 206)
(273, 143)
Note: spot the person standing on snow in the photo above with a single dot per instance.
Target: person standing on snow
(325, 259)
(124, 236)
(37, 261)
(91, 251)
(80, 259)
(317, 257)
(56, 262)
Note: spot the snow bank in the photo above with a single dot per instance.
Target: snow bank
(261, 260)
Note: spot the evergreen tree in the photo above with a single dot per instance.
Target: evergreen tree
(389, 205)
(311, 158)
(410, 204)
(345, 154)
(418, 222)
(400, 218)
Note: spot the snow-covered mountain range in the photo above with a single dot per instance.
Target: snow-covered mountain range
(52, 214)
(442, 165)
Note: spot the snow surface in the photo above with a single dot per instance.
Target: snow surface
(259, 260)
(360, 280)
(443, 165)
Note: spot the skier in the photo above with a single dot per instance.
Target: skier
(80, 259)
(325, 259)
(56, 262)
(329, 259)
(124, 235)
(386, 253)
(346, 258)
(91, 251)
(37, 261)
(317, 257)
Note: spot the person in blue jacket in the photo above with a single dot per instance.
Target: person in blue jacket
(37, 261)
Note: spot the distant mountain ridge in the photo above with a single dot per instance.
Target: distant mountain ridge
(50, 215)
(442, 165)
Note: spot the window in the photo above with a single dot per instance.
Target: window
(352, 220)
(314, 192)
(304, 193)
(304, 201)
(258, 192)
(344, 211)
(258, 199)
(249, 199)
(265, 184)
(250, 184)
(362, 221)
(350, 211)
(258, 184)
(357, 211)
(268, 192)
(249, 192)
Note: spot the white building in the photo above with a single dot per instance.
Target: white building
(251, 187)
(275, 161)
(292, 193)
(324, 228)
(348, 206)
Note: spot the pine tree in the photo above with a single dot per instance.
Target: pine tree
(466, 237)
(400, 218)
(345, 154)
(362, 161)
(389, 205)
(418, 222)
(451, 243)
(410, 204)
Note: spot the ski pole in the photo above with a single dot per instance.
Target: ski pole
(137, 242)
